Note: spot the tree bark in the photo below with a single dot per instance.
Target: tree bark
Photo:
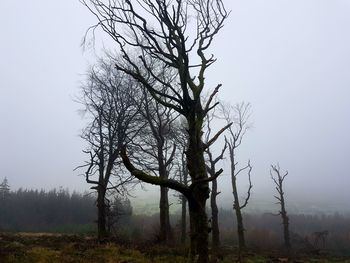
(183, 179)
(286, 231)
(200, 192)
(238, 212)
(102, 232)
(214, 219)
(165, 234)
(285, 222)
(199, 231)
(183, 219)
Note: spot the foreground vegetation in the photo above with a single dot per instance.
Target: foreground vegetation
(39, 247)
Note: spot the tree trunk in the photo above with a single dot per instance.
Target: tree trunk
(237, 209)
(102, 232)
(184, 179)
(165, 234)
(285, 222)
(214, 219)
(183, 219)
(199, 231)
(164, 220)
(240, 230)
(200, 192)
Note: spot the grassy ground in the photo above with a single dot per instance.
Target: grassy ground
(52, 248)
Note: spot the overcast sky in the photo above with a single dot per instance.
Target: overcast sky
(289, 59)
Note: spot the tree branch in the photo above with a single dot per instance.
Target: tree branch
(152, 179)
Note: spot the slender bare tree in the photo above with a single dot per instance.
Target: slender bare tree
(183, 180)
(109, 98)
(182, 175)
(278, 180)
(239, 115)
(177, 34)
(212, 169)
(158, 147)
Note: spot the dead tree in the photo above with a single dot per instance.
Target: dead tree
(212, 169)
(239, 115)
(178, 35)
(278, 180)
(108, 98)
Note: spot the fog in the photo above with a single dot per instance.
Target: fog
(289, 59)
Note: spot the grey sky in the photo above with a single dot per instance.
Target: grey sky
(289, 59)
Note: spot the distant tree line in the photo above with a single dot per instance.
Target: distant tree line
(54, 210)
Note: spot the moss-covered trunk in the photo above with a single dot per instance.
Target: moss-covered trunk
(199, 231)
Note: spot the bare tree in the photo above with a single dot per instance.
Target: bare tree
(212, 169)
(109, 99)
(158, 147)
(278, 180)
(175, 33)
(239, 115)
(182, 175)
(184, 180)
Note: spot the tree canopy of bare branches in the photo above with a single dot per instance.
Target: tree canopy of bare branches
(158, 147)
(109, 99)
(176, 34)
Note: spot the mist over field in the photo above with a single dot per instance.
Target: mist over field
(288, 59)
(148, 202)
